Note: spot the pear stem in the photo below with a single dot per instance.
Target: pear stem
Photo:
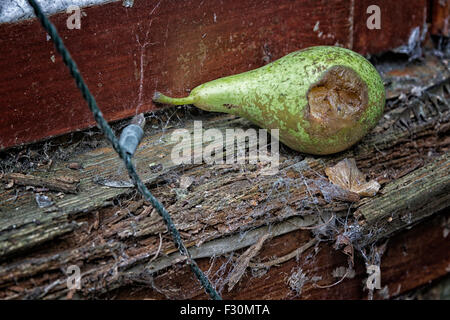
(160, 98)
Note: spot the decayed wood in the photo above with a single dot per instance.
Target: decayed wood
(430, 172)
(407, 200)
(400, 78)
(125, 54)
(63, 184)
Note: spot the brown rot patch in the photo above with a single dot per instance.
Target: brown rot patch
(336, 101)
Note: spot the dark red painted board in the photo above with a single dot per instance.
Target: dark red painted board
(125, 54)
(440, 17)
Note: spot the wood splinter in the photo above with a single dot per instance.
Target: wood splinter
(62, 184)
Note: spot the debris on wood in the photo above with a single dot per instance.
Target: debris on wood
(186, 182)
(446, 228)
(339, 272)
(64, 184)
(43, 201)
(297, 280)
(401, 79)
(127, 3)
(332, 192)
(114, 183)
(413, 48)
(344, 244)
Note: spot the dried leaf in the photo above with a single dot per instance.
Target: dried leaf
(346, 175)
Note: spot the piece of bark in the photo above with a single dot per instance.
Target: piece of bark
(64, 184)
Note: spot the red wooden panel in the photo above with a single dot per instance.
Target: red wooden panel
(398, 19)
(440, 17)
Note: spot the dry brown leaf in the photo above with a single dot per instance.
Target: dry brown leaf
(346, 175)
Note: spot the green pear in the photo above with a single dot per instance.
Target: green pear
(322, 99)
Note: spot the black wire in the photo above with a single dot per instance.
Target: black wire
(51, 30)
